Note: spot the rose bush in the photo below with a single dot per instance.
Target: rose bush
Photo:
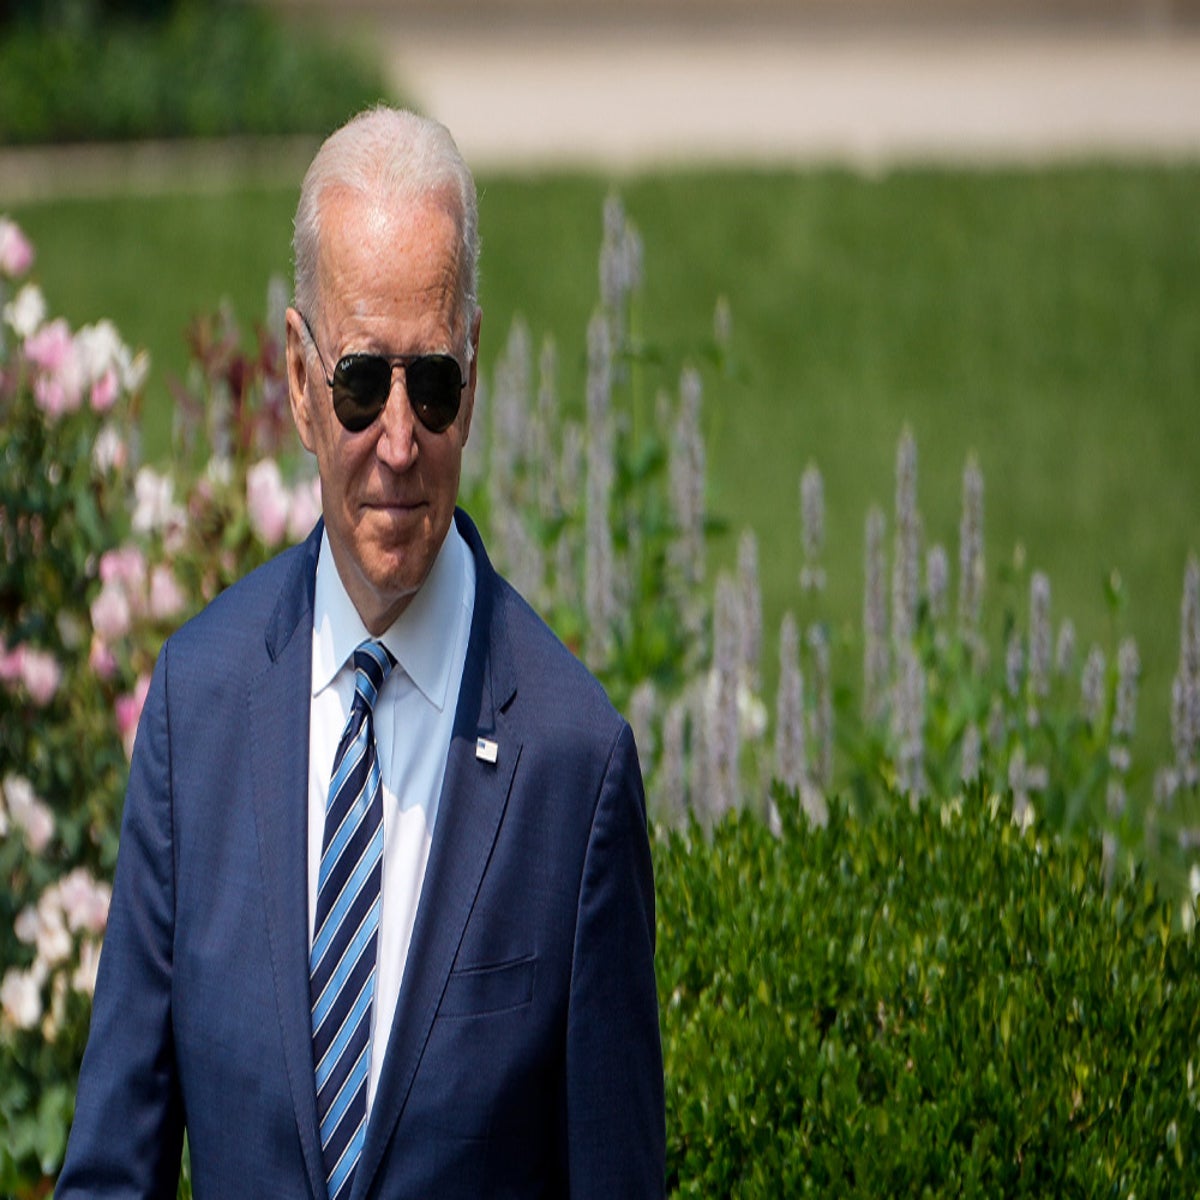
(103, 556)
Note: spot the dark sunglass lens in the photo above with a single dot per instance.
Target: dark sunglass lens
(361, 383)
(434, 384)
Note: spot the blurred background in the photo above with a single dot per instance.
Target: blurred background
(620, 84)
(971, 218)
(892, 247)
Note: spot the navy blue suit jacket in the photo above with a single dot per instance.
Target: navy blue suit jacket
(524, 1059)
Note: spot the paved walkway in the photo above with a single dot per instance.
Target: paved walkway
(612, 94)
(779, 91)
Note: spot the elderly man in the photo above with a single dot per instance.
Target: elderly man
(383, 918)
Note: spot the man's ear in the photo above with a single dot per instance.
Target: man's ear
(297, 377)
(472, 377)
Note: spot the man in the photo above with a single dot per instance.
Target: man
(377, 930)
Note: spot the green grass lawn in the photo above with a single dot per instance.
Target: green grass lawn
(1048, 321)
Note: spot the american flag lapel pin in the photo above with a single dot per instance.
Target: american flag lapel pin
(486, 750)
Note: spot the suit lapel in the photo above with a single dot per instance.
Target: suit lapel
(469, 813)
(279, 705)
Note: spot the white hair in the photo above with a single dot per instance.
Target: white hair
(388, 154)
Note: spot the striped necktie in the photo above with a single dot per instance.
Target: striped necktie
(342, 960)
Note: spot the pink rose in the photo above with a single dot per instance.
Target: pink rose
(41, 675)
(10, 663)
(129, 712)
(267, 501)
(54, 397)
(166, 596)
(16, 251)
(101, 659)
(125, 566)
(104, 391)
(51, 346)
(111, 617)
(59, 389)
(304, 510)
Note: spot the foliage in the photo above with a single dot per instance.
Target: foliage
(988, 310)
(46, 14)
(200, 71)
(597, 509)
(597, 506)
(601, 516)
(102, 557)
(64, 407)
(926, 1003)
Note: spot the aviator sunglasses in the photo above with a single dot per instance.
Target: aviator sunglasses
(361, 385)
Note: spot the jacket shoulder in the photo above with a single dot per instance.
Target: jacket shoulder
(551, 675)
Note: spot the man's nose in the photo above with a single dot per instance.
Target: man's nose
(397, 444)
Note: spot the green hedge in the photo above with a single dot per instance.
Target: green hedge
(204, 72)
(928, 1004)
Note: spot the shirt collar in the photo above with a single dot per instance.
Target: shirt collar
(420, 639)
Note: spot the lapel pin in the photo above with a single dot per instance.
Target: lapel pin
(486, 750)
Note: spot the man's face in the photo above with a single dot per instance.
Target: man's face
(387, 278)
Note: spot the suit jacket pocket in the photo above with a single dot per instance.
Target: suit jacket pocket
(477, 990)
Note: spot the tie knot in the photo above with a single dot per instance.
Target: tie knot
(373, 663)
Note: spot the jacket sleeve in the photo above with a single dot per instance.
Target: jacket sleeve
(128, 1129)
(615, 1106)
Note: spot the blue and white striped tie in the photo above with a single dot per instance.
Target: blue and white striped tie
(342, 961)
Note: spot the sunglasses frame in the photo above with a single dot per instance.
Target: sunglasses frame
(392, 361)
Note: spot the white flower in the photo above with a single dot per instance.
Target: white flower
(84, 978)
(20, 998)
(26, 925)
(1187, 915)
(134, 370)
(154, 502)
(219, 471)
(52, 1020)
(18, 791)
(108, 452)
(54, 943)
(71, 630)
(28, 812)
(84, 901)
(26, 311)
(100, 349)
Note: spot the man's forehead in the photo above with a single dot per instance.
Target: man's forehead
(364, 237)
(348, 214)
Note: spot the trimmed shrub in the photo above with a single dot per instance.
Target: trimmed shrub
(204, 72)
(928, 1003)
